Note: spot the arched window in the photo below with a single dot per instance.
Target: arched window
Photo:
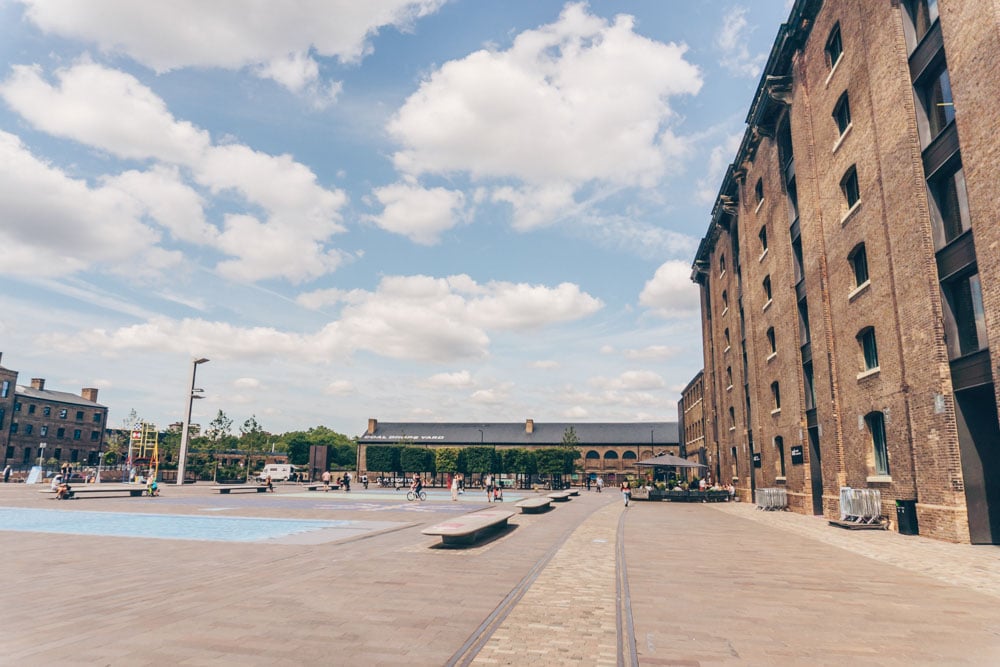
(850, 188)
(869, 348)
(630, 455)
(610, 455)
(779, 452)
(875, 421)
(592, 454)
(859, 264)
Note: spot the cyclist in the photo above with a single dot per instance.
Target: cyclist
(417, 485)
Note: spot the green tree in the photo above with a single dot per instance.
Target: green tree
(383, 458)
(478, 459)
(252, 441)
(416, 459)
(569, 438)
(446, 459)
(219, 428)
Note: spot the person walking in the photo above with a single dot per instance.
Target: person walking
(600, 483)
(364, 481)
(326, 480)
(626, 492)
(488, 483)
(347, 482)
(454, 487)
(6, 474)
(588, 482)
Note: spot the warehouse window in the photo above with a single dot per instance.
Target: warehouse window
(834, 47)
(842, 113)
(875, 421)
(869, 349)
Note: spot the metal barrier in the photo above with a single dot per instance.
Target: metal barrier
(860, 505)
(772, 499)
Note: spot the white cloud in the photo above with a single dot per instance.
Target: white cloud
(732, 41)
(719, 158)
(54, 225)
(579, 101)
(406, 317)
(495, 396)
(652, 353)
(318, 299)
(113, 111)
(246, 383)
(420, 214)
(340, 388)
(670, 292)
(458, 379)
(630, 381)
(275, 40)
(169, 201)
(104, 108)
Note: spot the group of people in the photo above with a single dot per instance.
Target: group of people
(598, 482)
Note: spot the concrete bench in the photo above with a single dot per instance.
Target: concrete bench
(468, 528)
(316, 486)
(560, 496)
(133, 490)
(262, 488)
(574, 492)
(535, 505)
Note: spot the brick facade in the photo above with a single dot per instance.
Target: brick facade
(71, 426)
(784, 307)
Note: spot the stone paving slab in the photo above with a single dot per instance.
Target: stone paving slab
(710, 584)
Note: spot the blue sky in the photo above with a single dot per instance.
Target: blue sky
(413, 210)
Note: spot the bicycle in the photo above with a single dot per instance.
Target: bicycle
(413, 495)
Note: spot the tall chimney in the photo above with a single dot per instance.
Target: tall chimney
(529, 426)
(89, 393)
(372, 425)
(38, 383)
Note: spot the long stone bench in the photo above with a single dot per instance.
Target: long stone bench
(316, 486)
(468, 528)
(227, 488)
(535, 505)
(574, 492)
(133, 490)
(560, 496)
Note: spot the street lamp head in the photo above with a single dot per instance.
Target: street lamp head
(202, 360)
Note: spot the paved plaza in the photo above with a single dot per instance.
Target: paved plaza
(337, 578)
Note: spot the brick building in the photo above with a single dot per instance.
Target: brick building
(850, 280)
(691, 427)
(607, 449)
(71, 426)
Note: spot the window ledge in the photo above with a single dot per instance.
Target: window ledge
(850, 213)
(869, 373)
(826, 84)
(725, 310)
(729, 388)
(879, 479)
(762, 255)
(771, 356)
(722, 273)
(840, 139)
(776, 411)
(732, 428)
(759, 204)
(860, 289)
(767, 305)
(726, 350)
(781, 479)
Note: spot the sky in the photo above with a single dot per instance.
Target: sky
(408, 210)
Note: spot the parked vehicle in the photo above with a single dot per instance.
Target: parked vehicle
(279, 472)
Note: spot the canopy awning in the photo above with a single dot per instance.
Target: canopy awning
(669, 461)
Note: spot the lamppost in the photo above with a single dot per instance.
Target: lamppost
(193, 394)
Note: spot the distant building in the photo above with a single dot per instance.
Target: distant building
(850, 280)
(691, 427)
(35, 421)
(607, 449)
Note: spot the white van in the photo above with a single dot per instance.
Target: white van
(279, 472)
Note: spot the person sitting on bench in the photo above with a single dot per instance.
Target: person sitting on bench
(63, 491)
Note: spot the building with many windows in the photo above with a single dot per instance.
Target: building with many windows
(38, 422)
(850, 280)
(691, 427)
(611, 450)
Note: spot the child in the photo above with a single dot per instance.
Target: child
(498, 494)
